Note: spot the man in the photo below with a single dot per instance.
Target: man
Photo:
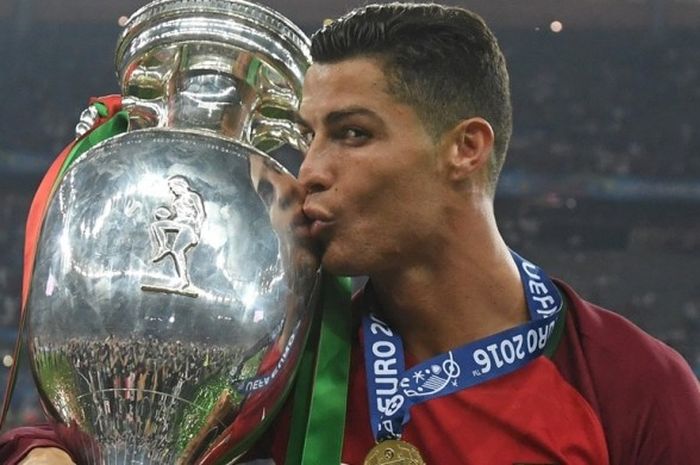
(408, 118)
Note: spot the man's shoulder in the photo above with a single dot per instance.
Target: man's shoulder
(16, 443)
(643, 391)
(614, 347)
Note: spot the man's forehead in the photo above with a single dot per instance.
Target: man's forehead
(369, 64)
(345, 76)
(353, 86)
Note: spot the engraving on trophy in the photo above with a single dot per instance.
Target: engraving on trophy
(175, 231)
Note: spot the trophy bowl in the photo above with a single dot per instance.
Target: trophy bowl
(175, 279)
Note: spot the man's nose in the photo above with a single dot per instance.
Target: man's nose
(315, 171)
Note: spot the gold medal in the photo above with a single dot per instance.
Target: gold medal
(394, 452)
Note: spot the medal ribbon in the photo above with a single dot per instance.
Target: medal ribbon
(392, 389)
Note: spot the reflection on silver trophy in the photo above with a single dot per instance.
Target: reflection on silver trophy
(175, 278)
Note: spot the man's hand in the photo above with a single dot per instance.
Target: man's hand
(47, 456)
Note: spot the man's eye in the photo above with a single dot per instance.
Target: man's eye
(354, 135)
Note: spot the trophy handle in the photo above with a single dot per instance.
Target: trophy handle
(144, 113)
(274, 122)
(271, 133)
(266, 133)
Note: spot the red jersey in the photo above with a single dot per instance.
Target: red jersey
(611, 394)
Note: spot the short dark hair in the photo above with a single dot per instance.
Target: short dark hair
(443, 61)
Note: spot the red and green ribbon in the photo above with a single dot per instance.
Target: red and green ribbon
(115, 125)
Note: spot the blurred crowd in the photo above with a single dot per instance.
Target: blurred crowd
(49, 75)
(138, 380)
(598, 104)
(609, 103)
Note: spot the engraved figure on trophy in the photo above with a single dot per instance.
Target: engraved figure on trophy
(177, 229)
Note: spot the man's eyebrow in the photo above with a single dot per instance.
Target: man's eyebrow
(337, 116)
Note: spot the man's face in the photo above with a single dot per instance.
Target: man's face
(372, 171)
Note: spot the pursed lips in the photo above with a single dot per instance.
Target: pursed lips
(319, 218)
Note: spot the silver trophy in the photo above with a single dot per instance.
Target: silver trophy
(175, 278)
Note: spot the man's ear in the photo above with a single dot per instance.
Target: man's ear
(471, 146)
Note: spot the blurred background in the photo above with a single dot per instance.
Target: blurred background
(602, 182)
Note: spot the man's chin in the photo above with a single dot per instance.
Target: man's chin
(339, 267)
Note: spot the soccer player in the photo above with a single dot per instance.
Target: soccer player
(464, 352)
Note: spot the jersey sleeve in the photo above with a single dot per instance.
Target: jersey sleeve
(645, 394)
(15, 444)
(668, 418)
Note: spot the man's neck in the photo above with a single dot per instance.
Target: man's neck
(468, 293)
